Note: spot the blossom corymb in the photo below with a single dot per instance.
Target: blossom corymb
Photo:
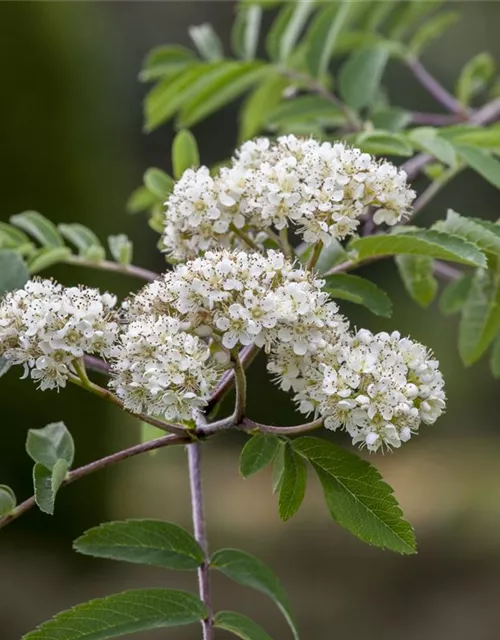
(238, 298)
(379, 388)
(320, 189)
(158, 369)
(46, 327)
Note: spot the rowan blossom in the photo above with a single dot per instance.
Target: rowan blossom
(46, 327)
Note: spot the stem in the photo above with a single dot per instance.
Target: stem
(446, 271)
(116, 267)
(434, 119)
(195, 482)
(434, 87)
(315, 255)
(292, 430)
(110, 397)
(240, 383)
(246, 238)
(285, 243)
(246, 357)
(159, 443)
(433, 189)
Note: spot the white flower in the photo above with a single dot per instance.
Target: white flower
(237, 298)
(320, 189)
(158, 369)
(379, 388)
(45, 327)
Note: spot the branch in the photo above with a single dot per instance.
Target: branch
(159, 443)
(200, 533)
(435, 88)
(248, 424)
(116, 267)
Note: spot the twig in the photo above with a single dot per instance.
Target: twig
(434, 119)
(434, 87)
(240, 383)
(97, 465)
(433, 189)
(116, 267)
(315, 255)
(247, 355)
(200, 533)
(293, 430)
(446, 271)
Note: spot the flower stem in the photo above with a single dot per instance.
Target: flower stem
(116, 267)
(240, 384)
(246, 238)
(315, 255)
(159, 443)
(434, 87)
(200, 533)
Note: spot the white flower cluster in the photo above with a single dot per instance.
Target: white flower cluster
(320, 188)
(239, 298)
(380, 387)
(159, 369)
(45, 327)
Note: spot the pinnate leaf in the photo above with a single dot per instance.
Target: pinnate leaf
(13, 271)
(185, 153)
(323, 34)
(207, 42)
(482, 162)
(257, 453)
(417, 273)
(121, 614)
(46, 257)
(165, 60)
(357, 497)
(239, 625)
(428, 139)
(153, 542)
(434, 244)
(360, 291)
(475, 76)
(82, 237)
(384, 143)
(495, 359)
(293, 484)
(158, 183)
(361, 74)
(480, 320)
(249, 571)
(50, 444)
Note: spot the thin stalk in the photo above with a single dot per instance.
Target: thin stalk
(240, 384)
(246, 356)
(97, 465)
(200, 533)
(285, 244)
(116, 267)
(315, 255)
(435, 88)
(434, 119)
(246, 238)
(248, 424)
(433, 189)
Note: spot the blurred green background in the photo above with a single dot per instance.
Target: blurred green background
(72, 148)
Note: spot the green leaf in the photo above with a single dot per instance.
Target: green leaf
(254, 113)
(480, 320)
(383, 143)
(5, 366)
(240, 626)
(50, 444)
(83, 238)
(293, 484)
(121, 248)
(360, 76)
(474, 135)
(185, 153)
(12, 238)
(391, 118)
(360, 291)
(153, 542)
(431, 30)
(475, 76)
(13, 271)
(409, 13)
(278, 467)
(357, 497)
(207, 42)
(251, 572)
(482, 162)
(7, 500)
(47, 483)
(46, 257)
(166, 97)
(123, 613)
(246, 30)
(275, 33)
(304, 109)
(257, 453)
(495, 359)
(294, 27)
(454, 296)
(425, 243)
(484, 234)
(230, 82)
(323, 34)
(141, 200)
(417, 274)
(158, 183)
(38, 226)
(165, 60)
(427, 139)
